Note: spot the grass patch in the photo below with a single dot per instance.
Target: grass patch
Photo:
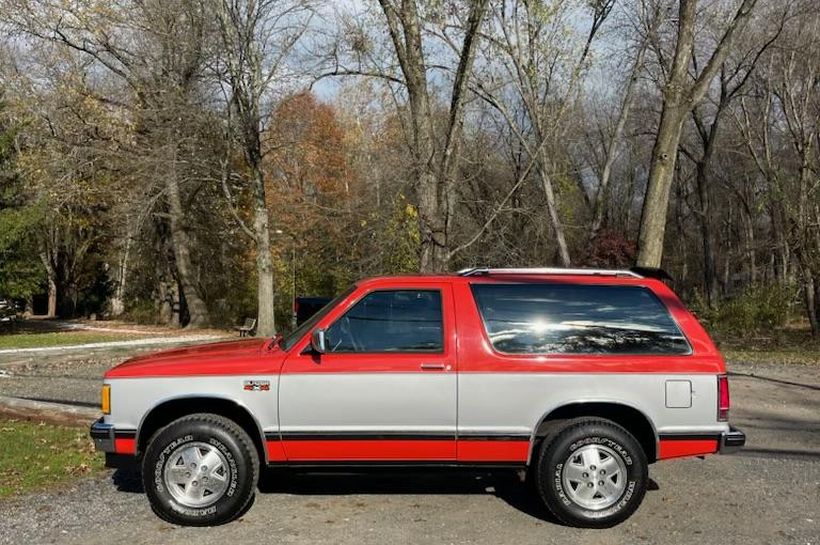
(59, 338)
(37, 455)
(792, 344)
(795, 356)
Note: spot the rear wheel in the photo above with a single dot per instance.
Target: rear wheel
(592, 473)
(200, 470)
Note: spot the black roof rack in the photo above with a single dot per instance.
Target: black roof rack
(651, 272)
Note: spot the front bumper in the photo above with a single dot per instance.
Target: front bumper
(731, 441)
(103, 436)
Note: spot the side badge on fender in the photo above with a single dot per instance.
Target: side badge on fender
(256, 385)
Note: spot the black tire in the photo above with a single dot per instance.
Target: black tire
(557, 450)
(233, 445)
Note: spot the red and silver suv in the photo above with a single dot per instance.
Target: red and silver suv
(583, 377)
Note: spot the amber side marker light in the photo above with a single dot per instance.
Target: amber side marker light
(106, 399)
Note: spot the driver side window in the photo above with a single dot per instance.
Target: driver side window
(390, 321)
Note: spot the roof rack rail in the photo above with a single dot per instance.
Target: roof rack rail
(651, 272)
(485, 271)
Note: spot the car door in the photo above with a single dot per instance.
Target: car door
(385, 389)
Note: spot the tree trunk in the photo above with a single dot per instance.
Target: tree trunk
(710, 282)
(181, 244)
(432, 229)
(265, 321)
(118, 300)
(51, 275)
(552, 210)
(52, 298)
(706, 234)
(630, 201)
(432, 203)
(679, 97)
(602, 194)
(751, 257)
(683, 243)
(662, 172)
(780, 255)
(167, 302)
(727, 276)
(816, 331)
(404, 25)
(810, 296)
(433, 173)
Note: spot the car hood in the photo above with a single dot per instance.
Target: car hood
(238, 357)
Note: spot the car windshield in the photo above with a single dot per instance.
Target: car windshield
(300, 331)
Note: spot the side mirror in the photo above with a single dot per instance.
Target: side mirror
(317, 341)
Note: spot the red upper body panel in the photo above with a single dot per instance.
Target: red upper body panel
(468, 346)
(241, 357)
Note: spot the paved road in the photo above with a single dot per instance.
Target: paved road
(150, 341)
(71, 376)
(769, 495)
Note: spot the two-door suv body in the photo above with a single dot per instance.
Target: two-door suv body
(584, 377)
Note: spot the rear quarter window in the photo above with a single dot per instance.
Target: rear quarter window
(577, 319)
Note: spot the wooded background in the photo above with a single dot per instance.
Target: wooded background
(198, 161)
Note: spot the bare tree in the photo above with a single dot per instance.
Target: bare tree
(782, 134)
(257, 41)
(681, 93)
(435, 170)
(541, 73)
(648, 21)
(734, 74)
(433, 146)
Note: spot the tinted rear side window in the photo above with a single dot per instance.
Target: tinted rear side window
(577, 319)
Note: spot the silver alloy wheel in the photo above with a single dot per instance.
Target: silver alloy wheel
(594, 477)
(197, 474)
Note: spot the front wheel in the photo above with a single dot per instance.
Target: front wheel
(200, 470)
(592, 473)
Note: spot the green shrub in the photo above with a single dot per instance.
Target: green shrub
(142, 312)
(758, 309)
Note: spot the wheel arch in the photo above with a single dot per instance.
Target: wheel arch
(629, 417)
(168, 410)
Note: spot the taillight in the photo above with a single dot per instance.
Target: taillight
(723, 398)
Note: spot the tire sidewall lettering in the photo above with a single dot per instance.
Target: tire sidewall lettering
(558, 483)
(603, 441)
(159, 466)
(159, 483)
(553, 476)
(627, 459)
(234, 471)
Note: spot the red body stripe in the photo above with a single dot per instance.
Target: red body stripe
(493, 451)
(433, 450)
(125, 446)
(276, 451)
(376, 449)
(690, 447)
(398, 450)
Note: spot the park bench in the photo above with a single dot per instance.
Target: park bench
(246, 328)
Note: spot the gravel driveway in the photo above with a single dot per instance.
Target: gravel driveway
(768, 494)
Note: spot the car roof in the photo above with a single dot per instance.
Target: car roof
(507, 275)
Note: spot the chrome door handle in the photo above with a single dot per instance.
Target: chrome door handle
(434, 367)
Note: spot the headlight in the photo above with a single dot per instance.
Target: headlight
(106, 399)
